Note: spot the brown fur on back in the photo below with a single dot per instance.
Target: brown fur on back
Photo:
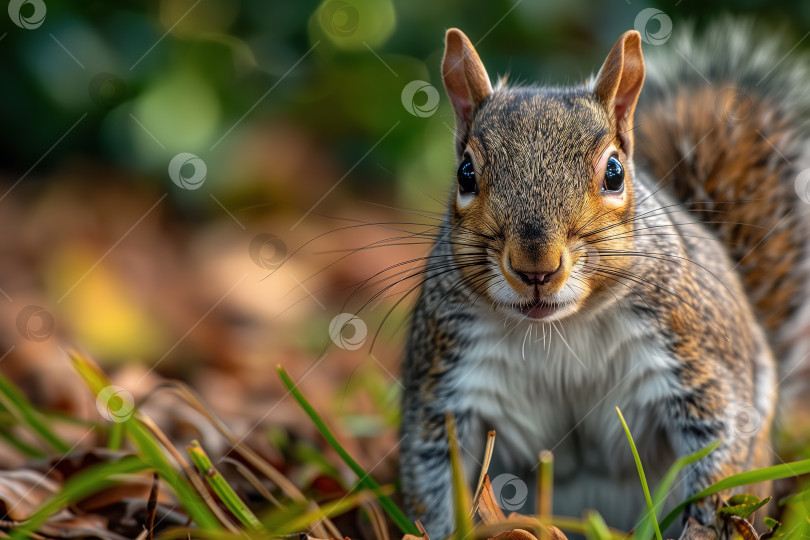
(738, 188)
(726, 134)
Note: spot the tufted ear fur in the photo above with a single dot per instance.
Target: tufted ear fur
(465, 80)
(618, 85)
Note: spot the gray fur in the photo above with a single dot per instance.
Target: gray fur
(674, 342)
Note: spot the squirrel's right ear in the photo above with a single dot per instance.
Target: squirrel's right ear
(465, 80)
(619, 82)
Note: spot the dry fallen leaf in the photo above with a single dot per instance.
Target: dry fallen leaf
(421, 528)
(116, 512)
(65, 524)
(515, 534)
(741, 527)
(491, 515)
(488, 509)
(22, 491)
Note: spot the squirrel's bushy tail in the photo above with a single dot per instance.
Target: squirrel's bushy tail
(724, 123)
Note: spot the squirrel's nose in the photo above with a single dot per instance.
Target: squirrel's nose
(536, 276)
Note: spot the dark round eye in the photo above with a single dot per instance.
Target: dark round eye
(466, 177)
(614, 175)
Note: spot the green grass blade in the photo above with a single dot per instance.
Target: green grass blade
(545, 491)
(116, 436)
(597, 529)
(645, 530)
(18, 405)
(311, 455)
(151, 451)
(462, 500)
(220, 486)
(641, 475)
(83, 484)
(297, 516)
(153, 454)
(364, 479)
(795, 517)
(545, 484)
(775, 472)
(19, 445)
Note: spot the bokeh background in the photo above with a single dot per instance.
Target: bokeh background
(302, 137)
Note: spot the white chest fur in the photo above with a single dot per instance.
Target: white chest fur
(556, 387)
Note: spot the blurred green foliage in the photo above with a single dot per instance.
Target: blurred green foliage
(156, 78)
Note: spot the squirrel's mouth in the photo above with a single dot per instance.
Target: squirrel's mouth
(539, 309)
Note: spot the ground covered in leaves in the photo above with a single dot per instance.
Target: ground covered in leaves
(187, 321)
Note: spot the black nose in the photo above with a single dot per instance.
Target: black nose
(531, 278)
(536, 276)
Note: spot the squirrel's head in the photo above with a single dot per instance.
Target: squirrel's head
(544, 203)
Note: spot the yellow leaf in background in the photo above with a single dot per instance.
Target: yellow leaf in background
(99, 309)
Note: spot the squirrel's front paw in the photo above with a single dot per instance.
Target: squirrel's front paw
(703, 510)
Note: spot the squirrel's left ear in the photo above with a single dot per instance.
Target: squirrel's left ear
(619, 82)
(465, 80)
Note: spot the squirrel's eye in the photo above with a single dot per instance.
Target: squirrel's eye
(466, 177)
(614, 175)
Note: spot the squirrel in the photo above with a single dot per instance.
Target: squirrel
(620, 243)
